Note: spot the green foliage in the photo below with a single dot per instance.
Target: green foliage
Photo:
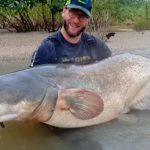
(143, 21)
(18, 14)
(29, 15)
(142, 24)
(56, 5)
(18, 5)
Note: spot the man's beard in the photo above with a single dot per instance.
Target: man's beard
(73, 35)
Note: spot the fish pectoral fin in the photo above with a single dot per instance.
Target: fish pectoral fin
(82, 103)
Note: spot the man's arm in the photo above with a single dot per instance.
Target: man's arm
(42, 55)
(103, 50)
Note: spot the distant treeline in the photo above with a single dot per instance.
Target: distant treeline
(35, 15)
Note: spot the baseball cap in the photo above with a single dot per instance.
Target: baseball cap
(83, 5)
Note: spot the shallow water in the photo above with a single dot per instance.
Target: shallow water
(114, 135)
(132, 133)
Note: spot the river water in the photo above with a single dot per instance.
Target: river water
(130, 133)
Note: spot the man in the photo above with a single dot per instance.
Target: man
(70, 44)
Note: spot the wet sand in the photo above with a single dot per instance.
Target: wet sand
(17, 48)
(23, 44)
(129, 41)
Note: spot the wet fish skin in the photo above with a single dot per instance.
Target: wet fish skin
(76, 96)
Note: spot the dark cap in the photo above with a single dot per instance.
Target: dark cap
(84, 5)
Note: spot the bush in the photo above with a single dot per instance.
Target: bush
(142, 24)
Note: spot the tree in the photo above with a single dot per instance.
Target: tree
(55, 7)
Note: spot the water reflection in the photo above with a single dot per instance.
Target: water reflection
(78, 139)
(114, 135)
(21, 136)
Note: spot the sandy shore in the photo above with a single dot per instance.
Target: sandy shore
(20, 46)
(127, 41)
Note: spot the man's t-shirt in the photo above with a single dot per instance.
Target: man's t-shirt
(55, 49)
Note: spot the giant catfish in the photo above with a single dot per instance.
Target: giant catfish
(70, 96)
